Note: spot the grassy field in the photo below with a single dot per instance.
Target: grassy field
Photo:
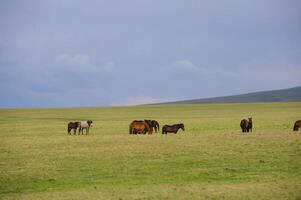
(212, 159)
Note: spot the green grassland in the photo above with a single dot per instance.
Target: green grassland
(211, 159)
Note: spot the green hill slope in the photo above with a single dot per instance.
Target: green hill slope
(284, 95)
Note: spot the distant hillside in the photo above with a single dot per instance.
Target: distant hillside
(284, 95)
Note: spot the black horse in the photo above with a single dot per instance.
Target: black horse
(153, 124)
(172, 128)
(246, 125)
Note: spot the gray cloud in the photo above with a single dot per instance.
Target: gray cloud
(73, 53)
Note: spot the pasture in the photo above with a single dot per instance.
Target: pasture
(211, 159)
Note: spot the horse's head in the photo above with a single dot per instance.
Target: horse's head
(181, 126)
(90, 123)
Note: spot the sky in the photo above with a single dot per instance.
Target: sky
(69, 53)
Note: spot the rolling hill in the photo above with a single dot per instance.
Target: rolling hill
(283, 95)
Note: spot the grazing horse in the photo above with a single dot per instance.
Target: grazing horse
(74, 126)
(85, 125)
(297, 125)
(139, 127)
(153, 124)
(172, 129)
(246, 125)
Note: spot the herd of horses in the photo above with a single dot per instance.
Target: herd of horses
(148, 126)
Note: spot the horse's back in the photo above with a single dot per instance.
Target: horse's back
(72, 124)
(84, 124)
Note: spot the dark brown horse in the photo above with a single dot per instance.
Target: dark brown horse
(297, 125)
(172, 128)
(74, 126)
(139, 127)
(153, 124)
(246, 125)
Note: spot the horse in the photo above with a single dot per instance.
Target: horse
(156, 125)
(139, 127)
(297, 125)
(74, 126)
(85, 125)
(172, 128)
(246, 125)
(153, 124)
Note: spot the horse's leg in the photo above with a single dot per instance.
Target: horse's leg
(88, 131)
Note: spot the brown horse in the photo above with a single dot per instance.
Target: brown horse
(139, 127)
(153, 124)
(246, 125)
(297, 125)
(172, 128)
(74, 126)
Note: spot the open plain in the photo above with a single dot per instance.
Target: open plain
(211, 159)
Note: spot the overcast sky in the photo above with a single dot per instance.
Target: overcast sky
(102, 53)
